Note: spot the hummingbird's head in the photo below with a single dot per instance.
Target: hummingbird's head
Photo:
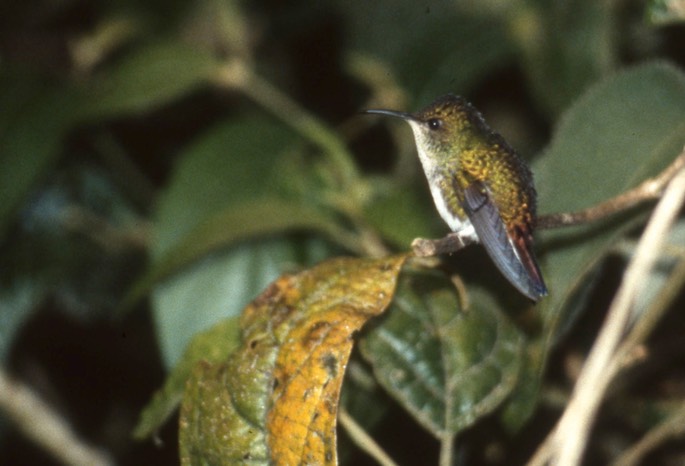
(444, 127)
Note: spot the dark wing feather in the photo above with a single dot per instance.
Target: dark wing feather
(513, 256)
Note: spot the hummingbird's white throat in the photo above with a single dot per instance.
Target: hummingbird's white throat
(434, 174)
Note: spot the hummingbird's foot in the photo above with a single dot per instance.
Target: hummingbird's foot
(453, 242)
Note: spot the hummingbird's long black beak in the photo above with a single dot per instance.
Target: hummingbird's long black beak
(392, 113)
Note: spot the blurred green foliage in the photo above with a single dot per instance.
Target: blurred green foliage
(191, 152)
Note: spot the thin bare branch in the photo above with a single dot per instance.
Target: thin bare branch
(650, 189)
(431, 247)
(363, 440)
(672, 427)
(111, 238)
(45, 427)
(566, 444)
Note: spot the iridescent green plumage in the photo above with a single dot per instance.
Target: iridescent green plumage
(481, 187)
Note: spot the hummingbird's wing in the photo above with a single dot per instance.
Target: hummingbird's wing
(511, 251)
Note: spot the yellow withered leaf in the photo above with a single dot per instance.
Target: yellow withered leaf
(275, 400)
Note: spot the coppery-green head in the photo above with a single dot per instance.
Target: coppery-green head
(445, 127)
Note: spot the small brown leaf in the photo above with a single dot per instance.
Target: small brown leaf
(276, 398)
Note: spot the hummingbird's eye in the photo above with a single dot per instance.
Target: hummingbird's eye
(435, 123)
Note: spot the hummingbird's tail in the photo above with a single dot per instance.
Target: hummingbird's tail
(510, 249)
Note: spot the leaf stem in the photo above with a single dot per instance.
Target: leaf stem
(447, 450)
(362, 439)
(237, 74)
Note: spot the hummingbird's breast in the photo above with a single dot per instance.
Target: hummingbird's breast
(449, 207)
(443, 186)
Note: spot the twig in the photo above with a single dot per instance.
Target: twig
(673, 426)
(362, 439)
(431, 247)
(652, 315)
(565, 445)
(45, 427)
(111, 238)
(650, 189)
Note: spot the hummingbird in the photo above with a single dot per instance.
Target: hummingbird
(481, 187)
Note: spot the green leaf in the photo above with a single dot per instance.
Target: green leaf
(432, 49)
(566, 47)
(622, 131)
(211, 346)
(231, 164)
(226, 188)
(149, 77)
(467, 49)
(250, 219)
(448, 366)
(403, 213)
(523, 399)
(220, 286)
(34, 119)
